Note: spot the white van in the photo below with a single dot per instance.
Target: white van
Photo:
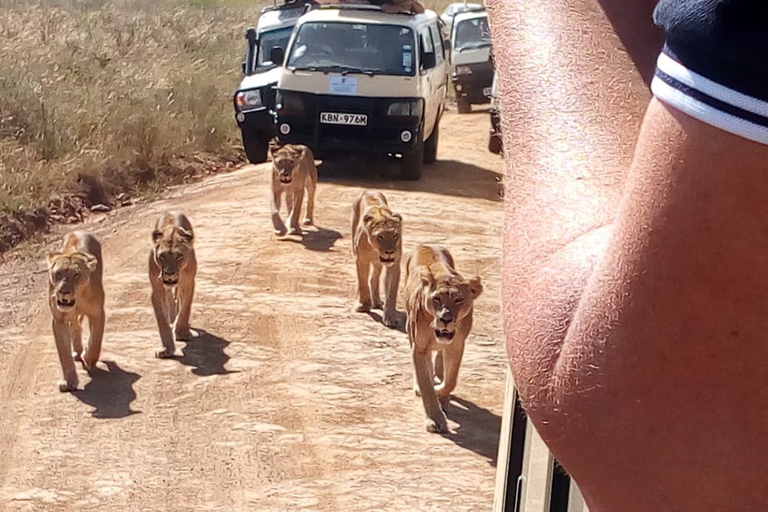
(471, 65)
(254, 98)
(357, 80)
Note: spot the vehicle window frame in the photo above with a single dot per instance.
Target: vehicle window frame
(414, 40)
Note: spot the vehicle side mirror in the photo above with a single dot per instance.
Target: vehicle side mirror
(250, 34)
(428, 60)
(447, 44)
(243, 65)
(276, 55)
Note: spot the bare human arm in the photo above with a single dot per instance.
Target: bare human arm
(635, 266)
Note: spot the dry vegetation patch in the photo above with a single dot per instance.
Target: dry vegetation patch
(100, 101)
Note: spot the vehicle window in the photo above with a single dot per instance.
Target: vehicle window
(437, 41)
(425, 46)
(473, 33)
(269, 40)
(353, 48)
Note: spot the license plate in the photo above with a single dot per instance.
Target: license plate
(487, 92)
(348, 119)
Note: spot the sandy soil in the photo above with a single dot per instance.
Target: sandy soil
(287, 399)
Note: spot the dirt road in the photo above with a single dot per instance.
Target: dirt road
(287, 400)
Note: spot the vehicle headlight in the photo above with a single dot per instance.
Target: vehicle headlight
(463, 70)
(247, 100)
(405, 109)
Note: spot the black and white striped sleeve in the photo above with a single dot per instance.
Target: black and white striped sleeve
(714, 65)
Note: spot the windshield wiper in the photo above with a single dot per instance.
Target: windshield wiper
(344, 70)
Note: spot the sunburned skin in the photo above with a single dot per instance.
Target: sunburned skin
(634, 276)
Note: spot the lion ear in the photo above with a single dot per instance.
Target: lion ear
(157, 235)
(91, 262)
(475, 287)
(273, 149)
(51, 258)
(398, 218)
(187, 236)
(427, 279)
(367, 218)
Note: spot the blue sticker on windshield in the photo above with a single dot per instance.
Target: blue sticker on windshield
(407, 57)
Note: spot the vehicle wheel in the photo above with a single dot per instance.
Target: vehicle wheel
(494, 144)
(430, 146)
(463, 105)
(410, 165)
(256, 146)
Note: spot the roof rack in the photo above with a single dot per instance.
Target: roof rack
(288, 5)
(351, 7)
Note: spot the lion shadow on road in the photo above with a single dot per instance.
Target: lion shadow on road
(205, 354)
(110, 391)
(446, 177)
(478, 428)
(317, 239)
(401, 318)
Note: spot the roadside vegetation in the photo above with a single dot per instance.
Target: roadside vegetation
(103, 102)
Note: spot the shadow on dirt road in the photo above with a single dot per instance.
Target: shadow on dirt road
(205, 354)
(446, 177)
(109, 392)
(479, 429)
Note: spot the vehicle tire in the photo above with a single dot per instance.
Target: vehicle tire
(495, 144)
(430, 145)
(463, 105)
(256, 146)
(410, 164)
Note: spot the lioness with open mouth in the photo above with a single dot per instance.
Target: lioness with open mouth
(293, 171)
(439, 305)
(75, 291)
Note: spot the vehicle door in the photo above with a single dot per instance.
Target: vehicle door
(441, 67)
(428, 79)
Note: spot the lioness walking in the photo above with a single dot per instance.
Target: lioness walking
(75, 290)
(439, 305)
(172, 270)
(377, 246)
(293, 171)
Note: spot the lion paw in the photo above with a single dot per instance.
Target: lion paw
(65, 386)
(182, 334)
(88, 363)
(77, 356)
(307, 222)
(444, 400)
(164, 353)
(437, 427)
(377, 304)
(416, 391)
(294, 231)
(390, 320)
(363, 307)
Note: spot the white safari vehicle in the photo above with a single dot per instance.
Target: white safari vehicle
(358, 80)
(471, 65)
(254, 99)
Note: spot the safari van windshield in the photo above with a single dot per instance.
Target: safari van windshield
(353, 48)
(269, 40)
(473, 33)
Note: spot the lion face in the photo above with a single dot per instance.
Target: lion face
(172, 252)
(449, 301)
(68, 275)
(284, 160)
(384, 230)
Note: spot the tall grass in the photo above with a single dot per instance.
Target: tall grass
(121, 90)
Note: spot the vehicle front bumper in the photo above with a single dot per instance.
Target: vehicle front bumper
(471, 85)
(380, 136)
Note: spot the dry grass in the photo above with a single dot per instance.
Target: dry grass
(133, 93)
(125, 91)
